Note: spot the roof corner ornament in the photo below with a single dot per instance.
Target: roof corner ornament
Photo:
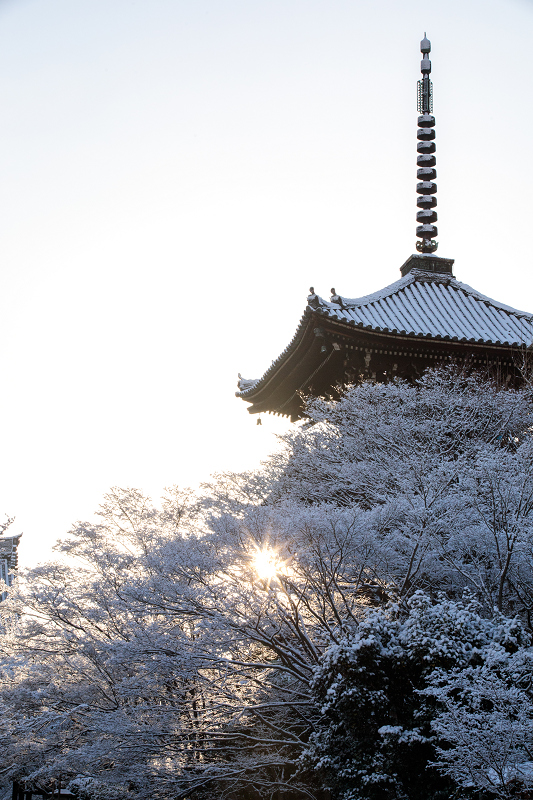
(245, 383)
(336, 299)
(313, 300)
(426, 161)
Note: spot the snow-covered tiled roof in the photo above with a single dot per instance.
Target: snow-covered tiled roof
(427, 305)
(8, 544)
(436, 306)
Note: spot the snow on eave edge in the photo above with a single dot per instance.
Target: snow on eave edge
(291, 346)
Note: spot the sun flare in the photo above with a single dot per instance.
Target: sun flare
(266, 563)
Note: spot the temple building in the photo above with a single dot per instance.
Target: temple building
(425, 318)
(8, 561)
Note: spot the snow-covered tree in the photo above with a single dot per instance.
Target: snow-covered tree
(170, 650)
(439, 476)
(160, 658)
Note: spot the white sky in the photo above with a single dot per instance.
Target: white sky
(175, 174)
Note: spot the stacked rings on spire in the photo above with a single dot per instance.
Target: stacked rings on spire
(426, 161)
(426, 188)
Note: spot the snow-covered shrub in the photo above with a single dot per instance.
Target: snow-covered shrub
(414, 704)
(485, 714)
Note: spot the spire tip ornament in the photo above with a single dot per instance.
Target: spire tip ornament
(425, 45)
(426, 160)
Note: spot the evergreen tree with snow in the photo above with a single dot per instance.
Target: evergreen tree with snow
(425, 700)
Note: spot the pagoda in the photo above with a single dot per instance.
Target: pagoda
(425, 318)
(8, 559)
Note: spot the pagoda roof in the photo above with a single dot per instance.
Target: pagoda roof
(8, 549)
(422, 305)
(8, 544)
(436, 306)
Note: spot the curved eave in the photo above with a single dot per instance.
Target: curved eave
(289, 371)
(292, 346)
(278, 389)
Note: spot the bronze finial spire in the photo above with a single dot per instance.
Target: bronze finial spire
(426, 160)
